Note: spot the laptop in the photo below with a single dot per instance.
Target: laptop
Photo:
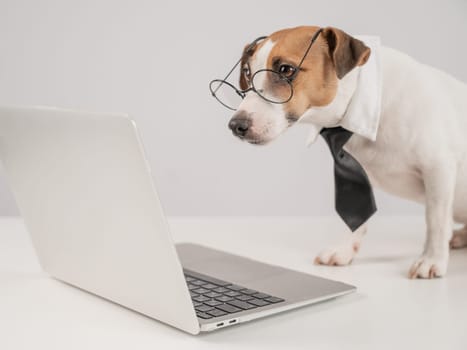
(84, 188)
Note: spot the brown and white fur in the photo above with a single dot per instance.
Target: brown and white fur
(420, 149)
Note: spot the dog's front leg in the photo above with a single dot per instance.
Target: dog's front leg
(343, 252)
(439, 184)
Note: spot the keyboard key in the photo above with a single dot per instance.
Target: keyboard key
(216, 313)
(203, 308)
(259, 295)
(209, 279)
(203, 315)
(235, 287)
(189, 279)
(212, 295)
(200, 298)
(249, 291)
(244, 297)
(228, 308)
(198, 282)
(258, 302)
(232, 293)
(212, 302)
(192, 286)
(274, 299)
(193, 294)
(221, 290)
(241, 304)
(224, 298)
(202, 290)
(197, 303)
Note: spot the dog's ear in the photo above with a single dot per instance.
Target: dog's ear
(345, 51)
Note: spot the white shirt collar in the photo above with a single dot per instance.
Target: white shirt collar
(364, 110)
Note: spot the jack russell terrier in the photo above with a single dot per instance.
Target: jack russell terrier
(409, 123)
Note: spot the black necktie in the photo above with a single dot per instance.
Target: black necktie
(355, 202)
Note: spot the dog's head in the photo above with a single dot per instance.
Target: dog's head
(314, 84)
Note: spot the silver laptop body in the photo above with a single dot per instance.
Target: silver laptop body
(84, 189)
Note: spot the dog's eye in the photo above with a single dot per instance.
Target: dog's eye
(246, 71)
(286, 70)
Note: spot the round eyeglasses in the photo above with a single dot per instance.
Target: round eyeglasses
(272, 86)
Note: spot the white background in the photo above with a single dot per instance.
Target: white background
(154, 59)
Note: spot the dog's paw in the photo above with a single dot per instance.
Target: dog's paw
(338, 255)
(429, 267)
(459, 239)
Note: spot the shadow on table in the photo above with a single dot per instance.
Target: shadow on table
(380, 259)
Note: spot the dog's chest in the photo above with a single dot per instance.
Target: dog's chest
(387, 167)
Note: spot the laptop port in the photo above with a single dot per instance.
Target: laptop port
(220, 324)
(232, 321)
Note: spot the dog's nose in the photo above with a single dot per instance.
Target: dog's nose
(239, 126)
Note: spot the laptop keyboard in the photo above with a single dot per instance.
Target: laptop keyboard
(214, 298)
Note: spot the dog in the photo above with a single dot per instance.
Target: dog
(413, 146)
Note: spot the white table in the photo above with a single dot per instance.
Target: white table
(389, 311)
